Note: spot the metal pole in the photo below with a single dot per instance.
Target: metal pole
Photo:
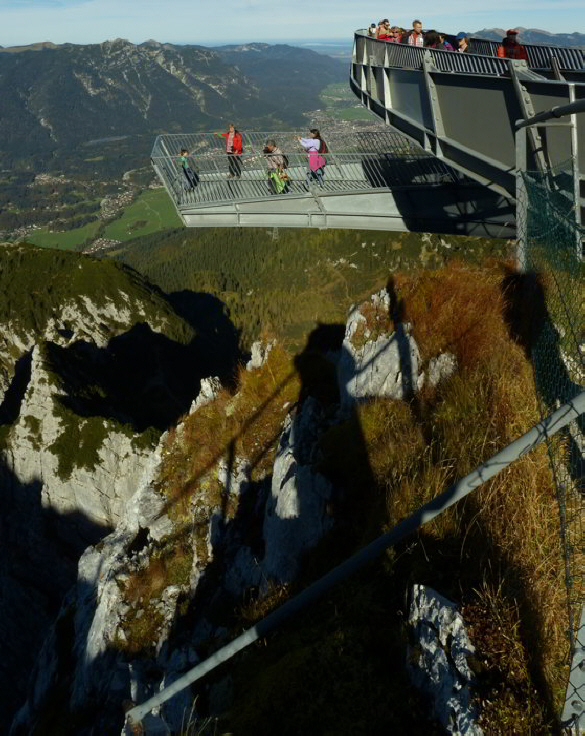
(554, 112)
(521, 201)
(522, 446)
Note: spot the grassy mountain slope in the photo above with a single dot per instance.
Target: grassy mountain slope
(37, 283)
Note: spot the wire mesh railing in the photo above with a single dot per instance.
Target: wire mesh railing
(554, 259)
(354, 162)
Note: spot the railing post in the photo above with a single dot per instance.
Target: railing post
(521, 201)
(573, 716)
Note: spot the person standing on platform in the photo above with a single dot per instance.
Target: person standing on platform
(316, 147)
(510, 48)
(234, 149)
(416, 37)
(190, 175)
(462, 40)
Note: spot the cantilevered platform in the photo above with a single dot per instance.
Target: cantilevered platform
(462, 108)
(375, 181)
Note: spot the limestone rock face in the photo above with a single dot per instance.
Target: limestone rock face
(98, 491)
(295, 518)
(381, 366)
(259, 354)
(207, 392)
(438, 660)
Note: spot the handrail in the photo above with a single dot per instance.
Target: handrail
(545, 429)
(539, 56)
(378, 161)
(558, 111)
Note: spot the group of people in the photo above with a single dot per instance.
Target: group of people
(417, 37)
(278, 179)
(510, 48)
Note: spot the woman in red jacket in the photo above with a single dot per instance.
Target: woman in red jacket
(234, 149)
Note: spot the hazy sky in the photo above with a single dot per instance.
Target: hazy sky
(228, 21)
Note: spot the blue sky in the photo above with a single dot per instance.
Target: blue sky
(228, 21)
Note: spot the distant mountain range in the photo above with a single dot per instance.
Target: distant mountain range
(535, 35)
(57, 98)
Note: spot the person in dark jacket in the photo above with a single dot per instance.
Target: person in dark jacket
(510, 48)
(462, 40)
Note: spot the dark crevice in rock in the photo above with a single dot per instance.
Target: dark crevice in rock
(10, 406)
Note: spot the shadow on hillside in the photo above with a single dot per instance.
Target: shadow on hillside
(358, 506)
(532, 326)
(10, 405)
(142, 377)
(39, 549)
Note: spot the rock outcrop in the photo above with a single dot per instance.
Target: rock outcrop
(153, 596)
(438, 660)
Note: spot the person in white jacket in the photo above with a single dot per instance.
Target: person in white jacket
(316, 147)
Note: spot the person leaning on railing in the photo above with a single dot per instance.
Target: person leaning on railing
(276, 164)
(510, 48)
(383, 32)
(462, 40)
(396, 34)
(433, 40)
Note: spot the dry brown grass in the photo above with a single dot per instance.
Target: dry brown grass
(498, 553)
(500, 549)
(246, 425)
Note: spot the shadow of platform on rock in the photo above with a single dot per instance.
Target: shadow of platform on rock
(39, 550)
(530, 323)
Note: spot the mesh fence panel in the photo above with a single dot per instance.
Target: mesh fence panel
(554, 259)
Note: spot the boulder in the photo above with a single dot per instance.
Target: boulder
(437, 660)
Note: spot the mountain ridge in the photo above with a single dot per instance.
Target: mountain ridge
(56, 100)
(536, 36)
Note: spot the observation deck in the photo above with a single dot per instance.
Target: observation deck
(462, 107)
(373, 181)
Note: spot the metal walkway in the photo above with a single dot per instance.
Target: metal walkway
(374, 181)
(462, 108)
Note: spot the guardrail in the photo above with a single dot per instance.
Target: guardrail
(539, 57)
(378, 161)
(483, 60)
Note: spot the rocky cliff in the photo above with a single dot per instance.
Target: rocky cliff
(80, 417)
(256, 490)
(167, 579)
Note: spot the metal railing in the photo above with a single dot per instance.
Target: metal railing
(539, 57)
(356, 162)
(483, 60)
(520, 447)
(381, 53)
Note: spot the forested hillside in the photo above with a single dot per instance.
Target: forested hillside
(282, 282)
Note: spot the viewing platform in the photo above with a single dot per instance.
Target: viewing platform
(463, 107)
(374, 181)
